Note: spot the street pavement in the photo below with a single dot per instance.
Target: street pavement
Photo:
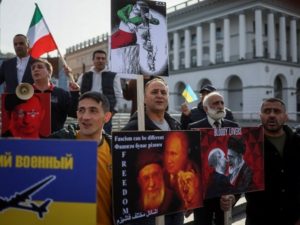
(238, 217)
(238, 220)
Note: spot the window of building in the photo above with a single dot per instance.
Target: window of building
(194, 39)
(181, 62)
(298, 45)
(171, 62)
(205, 50)
(266, 29)
(219, 56)
(171, 45)
(219, 34)
(278, 88)
(194, 58)
(182, 42)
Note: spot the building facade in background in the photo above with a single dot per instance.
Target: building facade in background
(79, 57)
(249, 50)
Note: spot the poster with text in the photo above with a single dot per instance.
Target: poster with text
(155, 173)
(47, 182)
(26, 118)
(232, 159)
(139, 40)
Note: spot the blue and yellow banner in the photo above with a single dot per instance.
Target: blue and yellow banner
(189, 94)
(47, 182)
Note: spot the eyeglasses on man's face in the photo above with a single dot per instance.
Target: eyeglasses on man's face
(22, 113)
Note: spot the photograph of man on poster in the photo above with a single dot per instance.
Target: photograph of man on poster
(26, 118)
(218, 182)
(154, 196)
(189, 186)
(159, 174)
(240, 174)
(233, 160)
(181, 173)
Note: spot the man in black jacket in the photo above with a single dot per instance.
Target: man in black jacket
(198, 113)
(17, 70)
(156, 118)
(63, 103)
(279, 203)
(213, 210)
(101, 80)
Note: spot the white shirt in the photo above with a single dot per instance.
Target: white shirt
(212, 121)
(21, 67)
(97, 85)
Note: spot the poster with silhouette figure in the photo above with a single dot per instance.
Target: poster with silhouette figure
(155, 173)
(29, 118)
(139, 40)
(48, 182)
(232, 159)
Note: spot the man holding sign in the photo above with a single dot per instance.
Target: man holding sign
(198, 113)
(279, 203)
(156, 118)
(213, 210)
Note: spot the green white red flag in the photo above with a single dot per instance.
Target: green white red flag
(40, 39)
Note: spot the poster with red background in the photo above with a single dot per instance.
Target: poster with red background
(45, 124)
(252, 157)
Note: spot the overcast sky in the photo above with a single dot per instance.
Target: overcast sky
(70, 21)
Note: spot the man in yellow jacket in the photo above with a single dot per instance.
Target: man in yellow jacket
(92, 113)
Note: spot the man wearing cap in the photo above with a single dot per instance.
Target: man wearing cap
(198, 113)
(240, 174)
(154, 194)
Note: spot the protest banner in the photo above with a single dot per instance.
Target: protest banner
(139, 40)
(29, 118)
(155, 173)
(232, 158)
(47, 182)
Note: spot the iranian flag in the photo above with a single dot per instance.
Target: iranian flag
(40, 38)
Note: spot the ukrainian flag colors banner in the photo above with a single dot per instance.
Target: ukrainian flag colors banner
(47, 182)
(189, 94)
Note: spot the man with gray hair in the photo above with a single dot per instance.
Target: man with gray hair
(213, 210)
(218, 182)
(216, 159)
(198, 113)
(213, 105)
